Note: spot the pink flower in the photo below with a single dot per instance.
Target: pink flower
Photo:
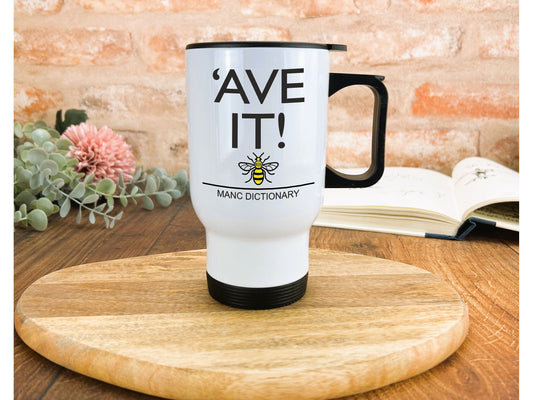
(100, 152)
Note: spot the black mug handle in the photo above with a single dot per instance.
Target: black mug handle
(336, 179)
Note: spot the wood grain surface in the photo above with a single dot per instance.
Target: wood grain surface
(148, 324)
(483, 269)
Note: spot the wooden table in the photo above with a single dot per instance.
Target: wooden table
(483, 269)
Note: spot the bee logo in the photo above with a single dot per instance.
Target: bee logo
(258, 168)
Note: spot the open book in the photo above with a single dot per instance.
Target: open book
(421, 202)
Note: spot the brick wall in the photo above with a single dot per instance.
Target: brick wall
(451, 69)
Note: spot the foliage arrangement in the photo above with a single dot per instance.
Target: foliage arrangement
(47, 179)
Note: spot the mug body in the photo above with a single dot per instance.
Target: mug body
(257, 121)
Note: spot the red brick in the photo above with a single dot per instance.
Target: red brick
(372, 7)
(505, 151)
(164, 147)
(38, 7)
(501, 144)
(138, 6)
(467, 100)
(348, 107)
(399, 42)
(462, 5)
(132, 99)
(77, 46)
(30, 103)
(352, 108)
(499, 40)
(298, 8)
(165, 51)
(432, 149)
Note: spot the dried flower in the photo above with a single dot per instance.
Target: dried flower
(100, 152)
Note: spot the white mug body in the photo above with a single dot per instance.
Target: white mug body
(257, 121)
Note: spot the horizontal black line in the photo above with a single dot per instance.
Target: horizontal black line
(338, 47)
(248, 188)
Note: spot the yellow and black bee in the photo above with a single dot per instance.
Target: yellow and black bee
(258, 168)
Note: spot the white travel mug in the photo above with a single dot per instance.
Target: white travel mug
(257, 121)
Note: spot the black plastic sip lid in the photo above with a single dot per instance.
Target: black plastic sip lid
(302, 45)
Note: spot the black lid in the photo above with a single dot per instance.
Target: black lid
(337, 47)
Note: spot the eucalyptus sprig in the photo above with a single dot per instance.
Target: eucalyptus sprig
(46, 182)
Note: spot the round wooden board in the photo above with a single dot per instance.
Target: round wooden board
(148, 324)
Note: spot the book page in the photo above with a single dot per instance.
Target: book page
(479, 182)
(504, 215)
(400, 187)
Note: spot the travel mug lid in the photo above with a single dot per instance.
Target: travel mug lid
(332, 47)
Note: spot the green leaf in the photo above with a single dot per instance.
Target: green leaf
(110, 202)
(78, 191)
(36, 156)
(47, 190)
(43, 204)
(22, 175)
(52, 194)
(17, 216)
(106, 186)
(137, 174)
(18, 130)
(35, 181)
(168, 183)
(72, 117)
(78, 217)
(151, 185)
(148, 203)
(38, 219)
(55, 134)
(44, 175)
(65, 208)
(92, 198)
(59, 159)
(66, 178)
(92, 219)
(181, 177)
(63, 144)
(39, 136)
(164, 199)
(175, 193)
(24, 146)
(123, 201)
(23, 210)
(49, 147)
(58, 183)
(157, 171)
(88, 179)
(134, 190)
(120, 182)
(51, 165)
(71, 162)
(27, 129)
